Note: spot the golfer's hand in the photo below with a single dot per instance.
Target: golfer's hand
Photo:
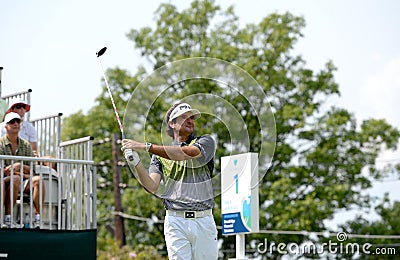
(132, 144)
(131, 156)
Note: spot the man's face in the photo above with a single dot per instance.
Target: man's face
(185, 124)
(13, 126)
(20, 109)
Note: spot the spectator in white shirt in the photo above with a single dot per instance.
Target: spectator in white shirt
(28, 131)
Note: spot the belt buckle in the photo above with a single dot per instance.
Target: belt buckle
(190, 214)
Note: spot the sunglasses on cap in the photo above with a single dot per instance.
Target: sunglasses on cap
(14, 120)
(19, 106)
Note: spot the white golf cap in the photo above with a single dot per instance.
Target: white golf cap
(17, 101)
(10, 116)
(182, 109)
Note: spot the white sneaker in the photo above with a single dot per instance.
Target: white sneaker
(36, 224)
(16, 225)
(8, 224)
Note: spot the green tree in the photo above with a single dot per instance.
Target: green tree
(320, 150)
(388, 224)
(100, 123)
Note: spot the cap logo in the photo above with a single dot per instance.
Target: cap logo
(184, 107)
(179, 108)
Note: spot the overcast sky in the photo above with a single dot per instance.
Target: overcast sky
(49, 47)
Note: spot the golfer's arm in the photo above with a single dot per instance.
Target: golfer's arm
(149, 181)
(176, 153)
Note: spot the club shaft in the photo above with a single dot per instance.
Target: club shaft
(130, 157)
(112, 101)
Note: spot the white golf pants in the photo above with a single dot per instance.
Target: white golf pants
(191, 239)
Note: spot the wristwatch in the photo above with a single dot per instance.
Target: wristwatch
(148, 145)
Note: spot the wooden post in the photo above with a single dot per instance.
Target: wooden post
(119, 221)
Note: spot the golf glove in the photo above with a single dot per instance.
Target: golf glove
(131, 156)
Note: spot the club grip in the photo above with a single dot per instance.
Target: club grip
(128, 152)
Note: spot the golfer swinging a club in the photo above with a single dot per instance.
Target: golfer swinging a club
(185, 167)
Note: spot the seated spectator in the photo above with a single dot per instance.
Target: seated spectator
(12, 144)
(27, 131)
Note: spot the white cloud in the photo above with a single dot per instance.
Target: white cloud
(381, 93)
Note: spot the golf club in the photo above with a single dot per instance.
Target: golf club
(98, 54)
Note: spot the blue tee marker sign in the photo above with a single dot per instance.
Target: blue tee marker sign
(239, 197)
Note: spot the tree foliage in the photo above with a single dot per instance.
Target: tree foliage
(321, 150)
(388, 224)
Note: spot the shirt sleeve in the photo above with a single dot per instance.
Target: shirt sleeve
(207, 146)
(2, 129)
(155, 165)
(31, 131)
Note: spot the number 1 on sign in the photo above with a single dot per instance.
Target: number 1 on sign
(236, 177)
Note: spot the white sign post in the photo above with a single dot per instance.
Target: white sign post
(239, 197)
